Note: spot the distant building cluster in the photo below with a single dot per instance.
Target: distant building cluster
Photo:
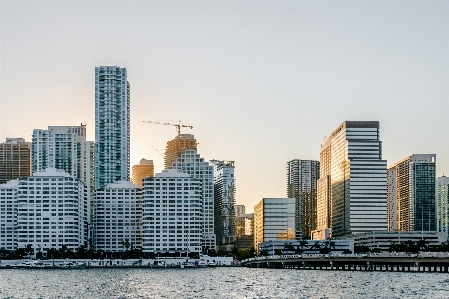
(62, 190)
(351, 193)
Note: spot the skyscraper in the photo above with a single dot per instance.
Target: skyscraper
(191, 163)
(302, 177)
(145, 169)
(442, 196)
(176, 147)
(15, 159)
(224, 201)
(324, 200)
(112, 134)
(411, 194)
(357, 176)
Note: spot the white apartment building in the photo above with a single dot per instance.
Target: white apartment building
(8, 215)
(118, 217)
(111, 125)
(190, 162)
(66, 148)
(442, 201)
(51, 211)
(172, 213)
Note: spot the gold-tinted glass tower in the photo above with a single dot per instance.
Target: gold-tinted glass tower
(15, 159)
(176, 147)
(143, 170)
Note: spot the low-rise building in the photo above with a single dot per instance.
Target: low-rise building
(274, 219)
(272, 247)
(383, 240)
(118, 217)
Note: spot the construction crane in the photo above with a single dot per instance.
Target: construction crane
(157, 151)
(178, 126)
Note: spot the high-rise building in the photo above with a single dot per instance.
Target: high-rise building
(145, 169)
(112, 127)
(118, 217)
(52, 211)
(353, 180)
(324, 200)
(442, 196)
(411, 194)
(66, 148)
(176, 147)
(224, 201)
(172, 214)
(274, 219)
(302, 177)
(191, 163)
(15, 159)
(8, 215)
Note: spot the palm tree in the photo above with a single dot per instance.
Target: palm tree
(288, 247)
(29, 250)
(422, 244)
(303, 243)
(125, 244)
(316, 246)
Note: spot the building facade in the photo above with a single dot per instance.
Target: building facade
(324, 200)
(357, 176)
(15, 159)
(383, 240)
(442, 199)
(51, 211)
(145, 169)
(274, 219)
(118, 218)
(272, 247)
(302, 177)
(191, 163)
(172, 214)
(112, 125)
(8, 215)
(224, 201)
(411, 194)
(66, 148)
(176, 147)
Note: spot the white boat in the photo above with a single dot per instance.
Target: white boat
(72, 265)
(202, 264)
(22, 265)
(212, 264)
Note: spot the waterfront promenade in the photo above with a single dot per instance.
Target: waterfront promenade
(400, 262)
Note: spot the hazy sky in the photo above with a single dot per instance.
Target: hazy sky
(262, 83)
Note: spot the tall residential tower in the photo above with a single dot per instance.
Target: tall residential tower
(112, 114)
(302, 177)
(15, 159)
(411, 194)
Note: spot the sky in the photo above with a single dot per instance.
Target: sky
(261, 82)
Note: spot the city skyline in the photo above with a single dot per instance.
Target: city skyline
(241, 86)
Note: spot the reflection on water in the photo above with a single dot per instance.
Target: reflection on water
(219, 283)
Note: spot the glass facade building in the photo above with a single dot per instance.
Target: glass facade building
(302, 177)
(274, 219)
(411, 194)
(112, 134)
(442, 196)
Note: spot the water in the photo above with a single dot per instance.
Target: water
(219, 283)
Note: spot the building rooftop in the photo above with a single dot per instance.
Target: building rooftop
(9, 184)
(172, 173)
(52, 172)
(122, 185)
